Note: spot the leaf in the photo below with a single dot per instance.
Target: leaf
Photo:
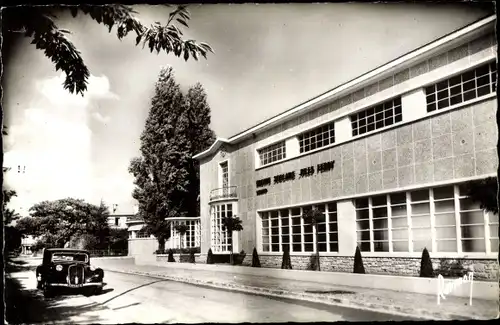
(182, 22)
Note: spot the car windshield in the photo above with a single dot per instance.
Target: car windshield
(69, 257)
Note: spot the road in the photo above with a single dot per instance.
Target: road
(139, 299)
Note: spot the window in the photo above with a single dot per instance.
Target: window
(462, 88)
(220, 240)
(142, 234)
(272, 153)
(224, 174)
(425, 218)
(192, 236)
(377, 117)
(285, 229)
(117, 221)
(317, 138)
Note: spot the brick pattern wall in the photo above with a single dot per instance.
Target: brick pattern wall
(484, 269)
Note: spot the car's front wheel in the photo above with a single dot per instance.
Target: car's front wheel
(48, 292)
(98, 291)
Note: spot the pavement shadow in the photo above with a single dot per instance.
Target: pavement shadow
(129, 290)
(27, 306)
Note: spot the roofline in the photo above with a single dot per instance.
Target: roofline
(218, 141)
(420, 51)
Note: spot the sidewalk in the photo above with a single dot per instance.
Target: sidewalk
(400, 303)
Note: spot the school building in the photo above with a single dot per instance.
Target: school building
(384, 157)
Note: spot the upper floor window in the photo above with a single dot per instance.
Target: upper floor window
(317, 138)
(377, 117)
(224, 173)
(272, 153)
(462, 88)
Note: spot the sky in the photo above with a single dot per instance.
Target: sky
(268, 58)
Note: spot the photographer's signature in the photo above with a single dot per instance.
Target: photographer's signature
(445, 289)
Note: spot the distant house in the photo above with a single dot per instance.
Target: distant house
(118, 221)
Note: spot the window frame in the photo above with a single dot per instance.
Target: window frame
(317, 137)
(445, 86)
(382, 115)
(271, 153)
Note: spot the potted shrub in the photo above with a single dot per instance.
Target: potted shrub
(286, 263)
(358, 262)
(255, 258)
(170, 256)
(191, 256)
(210, 257)
(426, 270)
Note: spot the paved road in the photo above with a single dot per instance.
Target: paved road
(139, 299)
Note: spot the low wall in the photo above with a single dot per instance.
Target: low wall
(119, 261)
(484, 269)
(142, 246)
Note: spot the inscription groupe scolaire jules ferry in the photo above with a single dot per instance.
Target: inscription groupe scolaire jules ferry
(290, 176)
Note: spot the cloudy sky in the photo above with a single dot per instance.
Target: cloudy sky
(267, 59)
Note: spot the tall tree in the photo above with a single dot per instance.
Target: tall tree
(39, 24)
(57, 222)
(200, 137)
(161, 171)
(166, 175)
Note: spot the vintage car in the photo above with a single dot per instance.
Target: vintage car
(68, 268)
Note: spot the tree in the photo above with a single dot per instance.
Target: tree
(255, 258)
(230, 224)
(182, 230)
(312, 217)
(426, 270)
(200, 137)
(358, 262)
(484, 192)
(166, 175)
(38, 23)
(62, 220)
(161, 171)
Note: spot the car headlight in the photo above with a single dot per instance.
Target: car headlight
(59, 267)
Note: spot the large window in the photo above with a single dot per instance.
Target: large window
(427, 218)
(220, 239)
(317, 138)
(224, 170)
(272, 153)
(285, 229)
(462, 88)
(377, 117)
(190, 239)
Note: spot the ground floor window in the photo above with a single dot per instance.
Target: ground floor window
(441, 219)
(142, 234)
(192, 237)
(285, 229)
(220, 239)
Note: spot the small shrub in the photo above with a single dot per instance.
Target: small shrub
(210, 257)
(255, 258)
(286, 263)
(191, 256)
(170, 256)
(358, 262)
(426, 270)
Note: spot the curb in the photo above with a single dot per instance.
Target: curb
(332, 301)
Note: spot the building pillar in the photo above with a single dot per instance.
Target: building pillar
(346, 223)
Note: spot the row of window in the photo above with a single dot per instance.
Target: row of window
(441, 219)
(285, 229)
(461, 88)
(192, 237)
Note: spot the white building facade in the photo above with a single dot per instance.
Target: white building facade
(385, 158)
